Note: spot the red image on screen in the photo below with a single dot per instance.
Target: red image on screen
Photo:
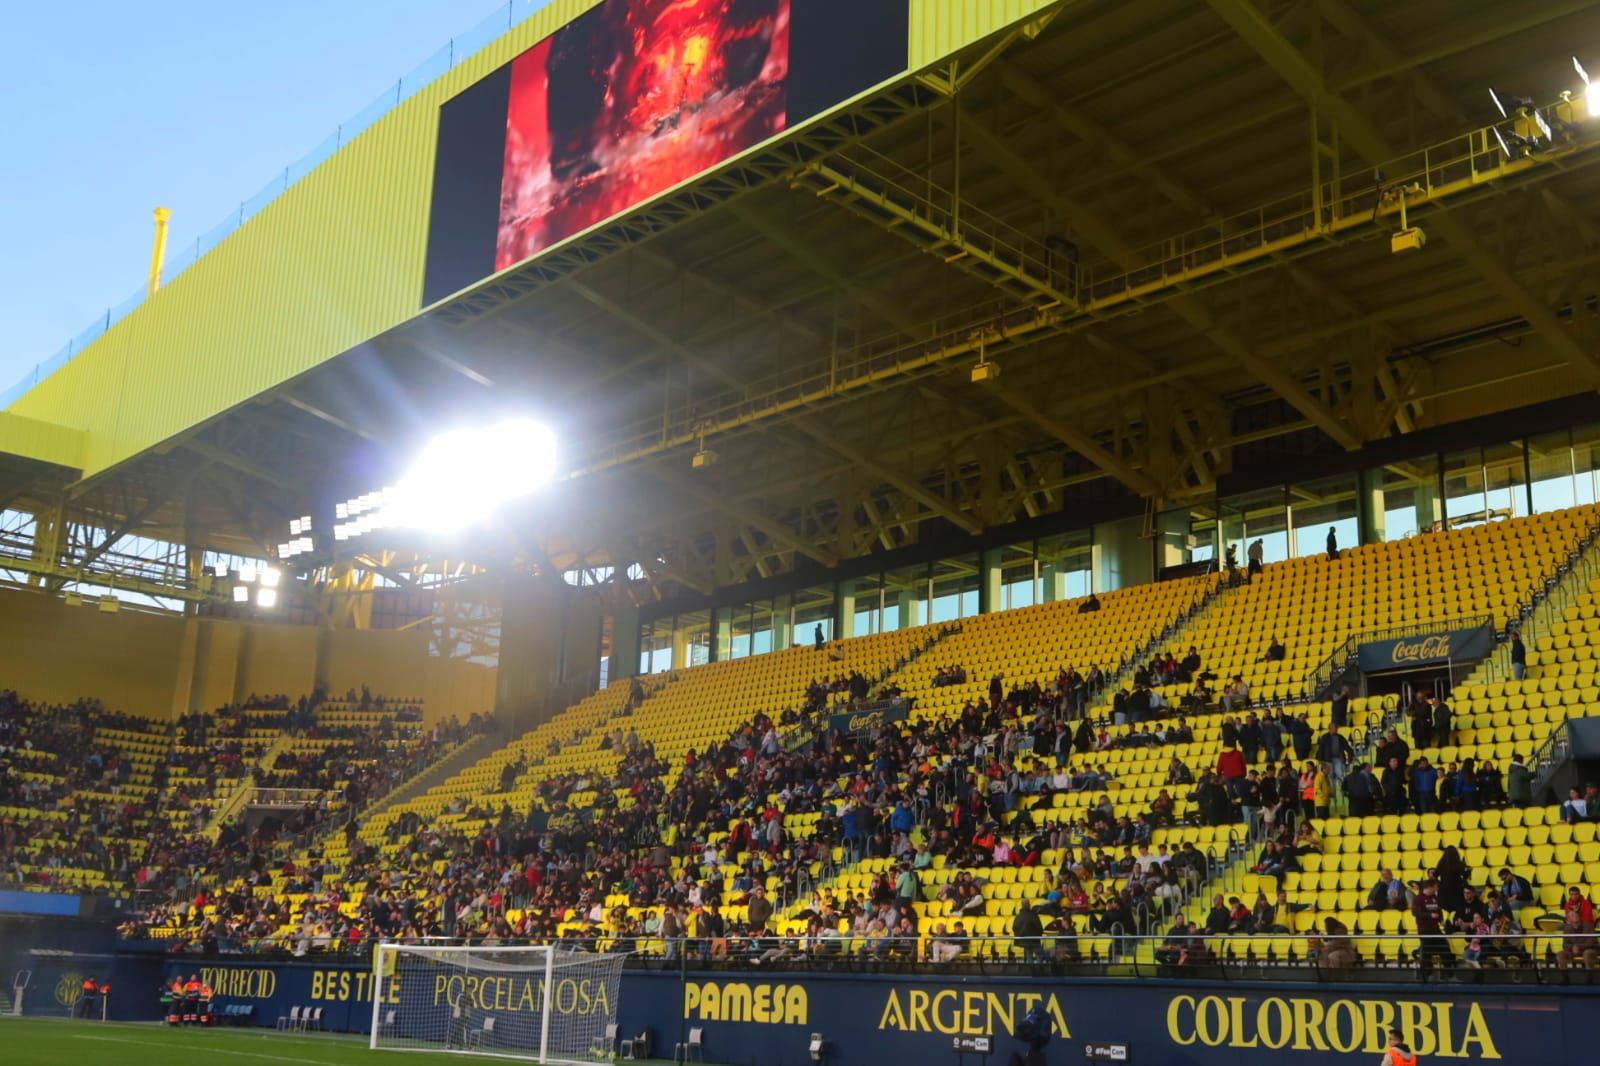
(629, 100)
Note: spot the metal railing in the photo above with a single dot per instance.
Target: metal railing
(455, 51)
(1551, 756)
(262, 796)
(1539, 956)
(1129, 666)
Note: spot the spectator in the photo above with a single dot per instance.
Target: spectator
(1362, 791)
(1515, 890)
(1389, 893)
(1338, 953)
(1333, 749)
(1519, 783)
(1576, 808)
(1394, 786)
(1424, 786)
(1519, 656)
(1451, 877)
(1443, 721)
(1231, 764)
(1027, 930)
(1428, 915)
(1340, 710)
(1577, 923)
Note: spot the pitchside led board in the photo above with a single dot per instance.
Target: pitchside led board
(625, 102)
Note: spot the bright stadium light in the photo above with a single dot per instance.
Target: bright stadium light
(241, 594)
(266, 597)
(269, 578)
(465, 475)
(1591, 90)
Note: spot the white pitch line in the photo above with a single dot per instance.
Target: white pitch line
(210, 1050)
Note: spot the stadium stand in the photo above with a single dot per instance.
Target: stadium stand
(667, 812)
(96, 800)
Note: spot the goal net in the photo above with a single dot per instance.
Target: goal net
(548, 1004)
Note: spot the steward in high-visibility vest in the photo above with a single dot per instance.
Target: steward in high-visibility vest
(1398, 1054)
(85, 1004)
(191, 1000)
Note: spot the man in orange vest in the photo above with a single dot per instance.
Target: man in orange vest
(105, 999)
(175, 1002)
(191, 999)
(84, 1008)
(1398, 1054)
(205, 1004)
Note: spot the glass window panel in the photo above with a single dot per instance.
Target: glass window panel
(1586, 464)
(1550, 462)
(695, 627)
(1018, 586)
(1466, 500)
(955, 589)
(905, 594)
(1064, 565)
(1262, 516)
(868, 593)
(740, 631)
(1505, 480)
(813, 607)
(1316, 506)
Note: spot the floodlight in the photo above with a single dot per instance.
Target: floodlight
(341, 511)
(247, 574)
(294, 527)
(305, 524)
(241, 594)
(269, 577)
(266, 597)
(463, 476)
(1591, 95)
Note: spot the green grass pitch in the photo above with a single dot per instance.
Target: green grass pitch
(52, 1042)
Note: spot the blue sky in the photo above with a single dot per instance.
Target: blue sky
(114, 107)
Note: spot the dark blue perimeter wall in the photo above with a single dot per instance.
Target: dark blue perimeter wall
(59, 953)
(768, 1018)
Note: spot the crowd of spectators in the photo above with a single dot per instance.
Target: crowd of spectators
(906, 792)
(78, 806)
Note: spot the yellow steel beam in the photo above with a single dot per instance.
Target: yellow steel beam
(1475, 168)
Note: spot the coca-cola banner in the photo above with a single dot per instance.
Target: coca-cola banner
(870, 716)
(1410, 653)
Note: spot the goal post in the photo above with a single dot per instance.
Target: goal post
(540, 1003)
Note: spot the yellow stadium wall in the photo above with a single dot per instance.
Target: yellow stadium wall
(50, 651)
(334, 261)
(160, 666)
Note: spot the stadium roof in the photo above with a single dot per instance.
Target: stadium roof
(1160, 220)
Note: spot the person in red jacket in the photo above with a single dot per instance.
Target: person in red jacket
(1578, 923)
(1230, 764)
(1429, 916)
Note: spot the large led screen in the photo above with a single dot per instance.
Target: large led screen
(627, 101)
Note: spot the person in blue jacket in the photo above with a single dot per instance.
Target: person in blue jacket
(1034, 1031)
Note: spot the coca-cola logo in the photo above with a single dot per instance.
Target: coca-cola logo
(860, 723)
(1427, 648)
